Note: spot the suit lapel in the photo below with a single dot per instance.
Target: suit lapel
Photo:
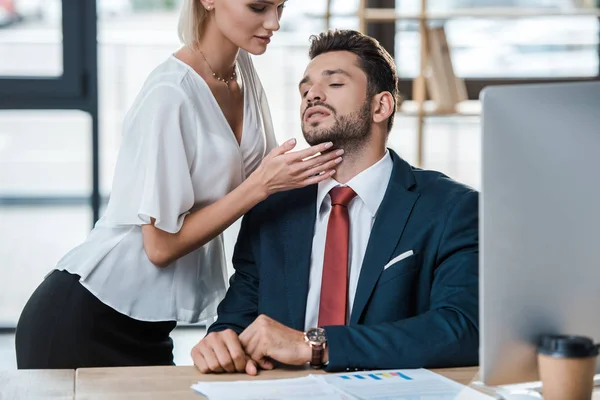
(297, 238)
(390, 221)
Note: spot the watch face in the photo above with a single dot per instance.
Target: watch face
(316, 335)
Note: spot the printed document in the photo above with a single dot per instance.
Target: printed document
(410, 384)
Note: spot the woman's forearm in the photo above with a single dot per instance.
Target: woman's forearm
(201, 226)
(279, 170)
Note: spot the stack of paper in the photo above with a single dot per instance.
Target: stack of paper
(377, 385)
(310, 387)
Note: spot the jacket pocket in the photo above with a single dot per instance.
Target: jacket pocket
(399, 268)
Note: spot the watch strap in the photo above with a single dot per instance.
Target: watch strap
(317, 355)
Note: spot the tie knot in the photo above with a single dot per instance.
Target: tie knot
(341, 195)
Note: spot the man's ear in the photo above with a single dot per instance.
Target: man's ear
(383, 106)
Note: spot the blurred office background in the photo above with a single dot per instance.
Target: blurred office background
(59, 136)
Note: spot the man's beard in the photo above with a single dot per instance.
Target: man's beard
(350, 132)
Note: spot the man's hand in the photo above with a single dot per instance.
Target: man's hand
(267, 339)
(222, 352)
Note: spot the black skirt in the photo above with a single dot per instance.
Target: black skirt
(63, 325)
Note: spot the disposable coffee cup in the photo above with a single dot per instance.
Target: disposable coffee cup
(566, 367)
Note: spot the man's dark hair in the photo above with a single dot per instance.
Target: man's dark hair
(374, 60)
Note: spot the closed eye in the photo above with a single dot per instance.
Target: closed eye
(336, 85)
(260, 10)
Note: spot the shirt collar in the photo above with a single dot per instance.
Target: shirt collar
(370, 185)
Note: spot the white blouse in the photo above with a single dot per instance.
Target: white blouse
(178, 154)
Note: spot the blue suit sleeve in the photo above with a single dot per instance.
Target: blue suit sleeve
(448, 333)
(239, 308)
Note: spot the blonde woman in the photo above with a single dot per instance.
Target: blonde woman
(198, 151)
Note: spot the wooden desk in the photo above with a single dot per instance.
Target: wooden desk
(37, 384)
(173, 383)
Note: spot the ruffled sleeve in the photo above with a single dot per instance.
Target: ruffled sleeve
(152, 177)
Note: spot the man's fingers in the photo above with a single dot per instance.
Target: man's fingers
(234, 347)
(245, 337)
(250, 339)
(202, 365)
(252, 348)
(224, 358)
(252, 365)
(266, 363)
(211, 360)
(251, 368)
(199, 361)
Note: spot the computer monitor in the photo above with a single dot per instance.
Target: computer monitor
(539, 222)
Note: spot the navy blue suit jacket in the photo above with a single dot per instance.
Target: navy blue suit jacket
(421, 312)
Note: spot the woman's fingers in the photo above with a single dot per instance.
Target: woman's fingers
(309, 152)
(297, 169)
(323, 159)
(317, 178)
(318, 169)
(283, 148)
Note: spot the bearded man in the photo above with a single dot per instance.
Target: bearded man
(374, 268)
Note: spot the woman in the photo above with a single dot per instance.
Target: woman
(192, 161)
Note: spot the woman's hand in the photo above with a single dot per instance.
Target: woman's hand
(278, 171)
(281, 170)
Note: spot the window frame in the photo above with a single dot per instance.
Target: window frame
(68, 85)
(75, 89)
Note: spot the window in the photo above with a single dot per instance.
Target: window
(507, 47)
(48, 140)
(31, 38)
(42, 50)
(45, 182)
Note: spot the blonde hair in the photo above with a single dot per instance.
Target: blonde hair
(191, 22)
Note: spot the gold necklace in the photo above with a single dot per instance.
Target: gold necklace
(225, 81)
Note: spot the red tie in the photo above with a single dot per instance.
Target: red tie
(334, 285)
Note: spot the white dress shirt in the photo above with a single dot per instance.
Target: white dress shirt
(178, 154)
(369, 186)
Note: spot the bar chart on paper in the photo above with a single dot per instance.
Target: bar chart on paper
(378, 376)
(418, 384)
